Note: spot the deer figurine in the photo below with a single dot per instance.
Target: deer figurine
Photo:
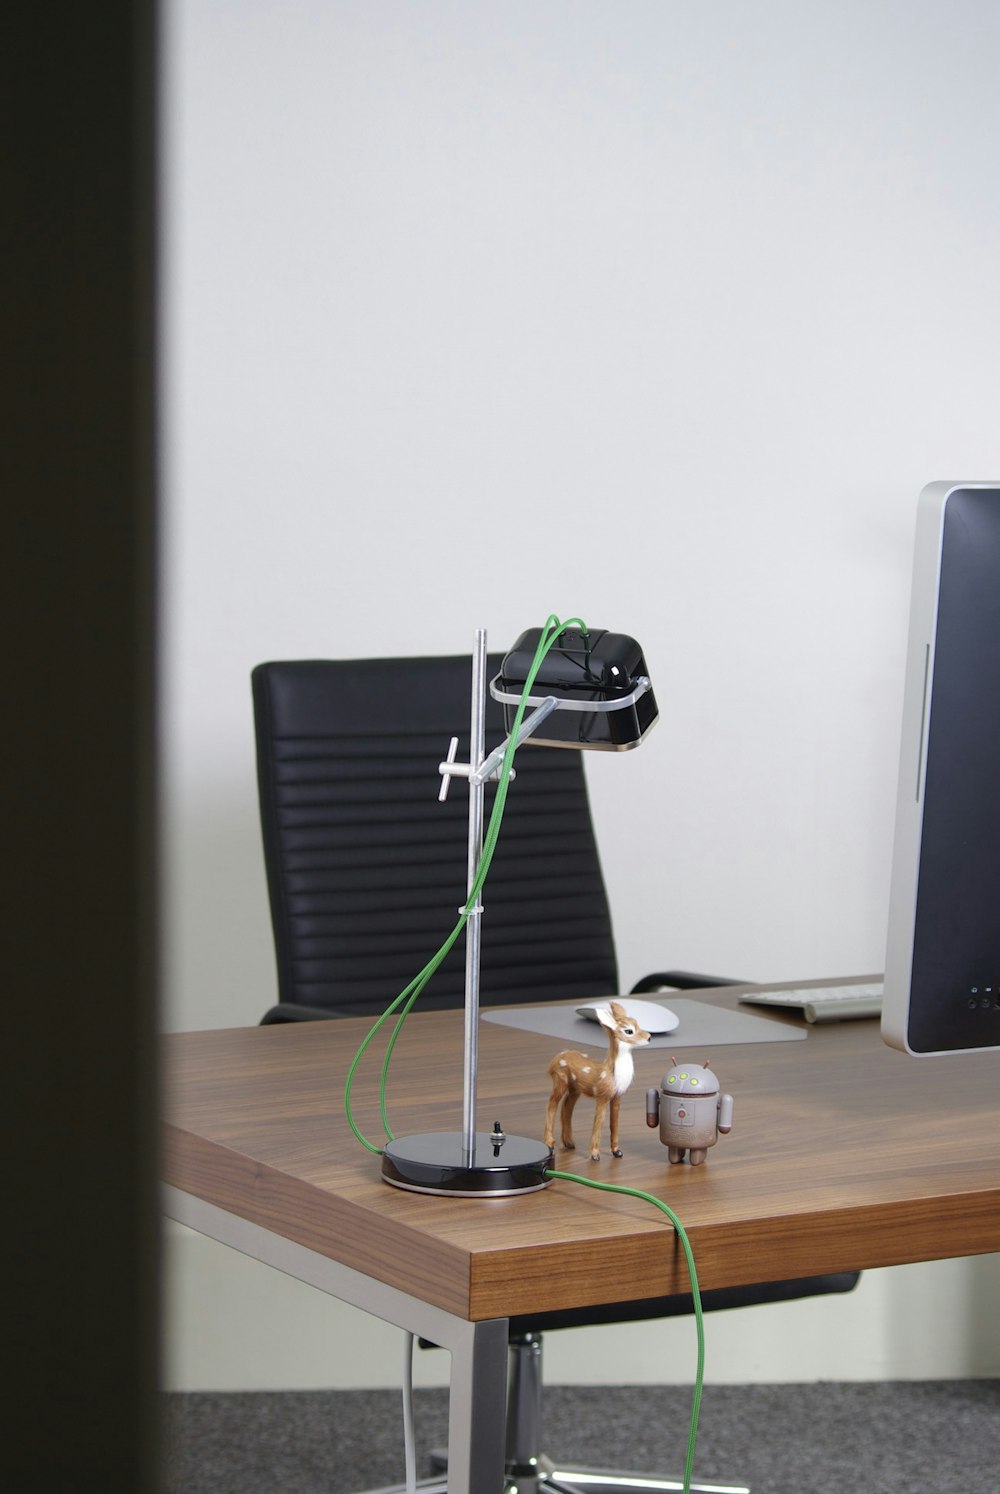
(605, 1080)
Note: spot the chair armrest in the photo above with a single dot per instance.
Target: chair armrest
(682, 980)
(288, 1011)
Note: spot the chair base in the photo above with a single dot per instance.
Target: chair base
(550, 1478)
(526, 1470)
(546, 1478)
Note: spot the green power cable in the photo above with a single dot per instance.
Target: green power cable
(406, 999)
(408, 996)
(658, 1203)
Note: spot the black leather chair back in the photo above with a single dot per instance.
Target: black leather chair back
(367, 870)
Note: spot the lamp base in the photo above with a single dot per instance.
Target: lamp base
(436, 1163)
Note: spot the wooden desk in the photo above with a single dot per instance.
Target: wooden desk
(844, 1154)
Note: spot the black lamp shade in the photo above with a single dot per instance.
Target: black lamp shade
(598, 669)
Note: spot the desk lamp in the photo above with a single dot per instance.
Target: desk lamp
(591, 690)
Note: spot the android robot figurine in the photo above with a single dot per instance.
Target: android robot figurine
(690, 1111)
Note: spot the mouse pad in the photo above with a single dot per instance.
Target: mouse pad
(700, 1025)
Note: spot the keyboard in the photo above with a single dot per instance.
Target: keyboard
(824, 1003)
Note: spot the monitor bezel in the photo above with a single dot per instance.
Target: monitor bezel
(911, 805)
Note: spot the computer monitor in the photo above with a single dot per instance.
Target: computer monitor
(942, 978)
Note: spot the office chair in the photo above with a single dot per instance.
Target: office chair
(365, 872)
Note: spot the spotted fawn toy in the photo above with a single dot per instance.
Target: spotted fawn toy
(689, 1110)
(604, 1080)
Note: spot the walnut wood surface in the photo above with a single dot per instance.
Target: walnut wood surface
(844, 1154)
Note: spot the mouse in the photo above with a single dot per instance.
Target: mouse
(650, 1015)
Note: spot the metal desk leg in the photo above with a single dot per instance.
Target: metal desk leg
(476, 1409)
(478, 1394)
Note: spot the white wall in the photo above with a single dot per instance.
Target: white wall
(657, 313)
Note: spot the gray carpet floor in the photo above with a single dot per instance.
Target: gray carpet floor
(898, 1438)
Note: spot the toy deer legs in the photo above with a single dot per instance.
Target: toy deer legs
(605, 1080)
